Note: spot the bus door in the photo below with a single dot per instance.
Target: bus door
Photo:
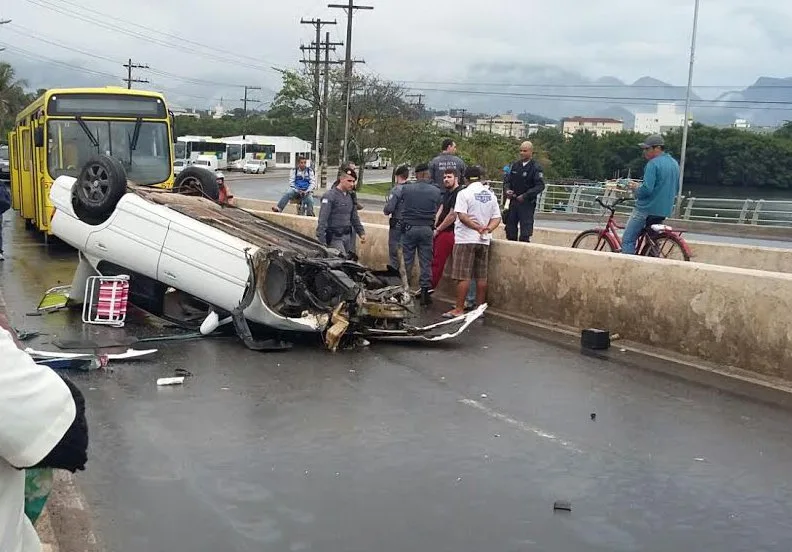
(27, 199)
(13, 158)
(36, 176)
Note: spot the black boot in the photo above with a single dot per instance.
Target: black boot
(426, 299)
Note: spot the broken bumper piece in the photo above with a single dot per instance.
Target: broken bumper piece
(447, 329)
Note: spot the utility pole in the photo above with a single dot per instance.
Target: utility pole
(686, 124)
(419, 103)
(129, 80)
(463, 111)
(244, 108)
(326, 104)
(316, 46)
(350, 9)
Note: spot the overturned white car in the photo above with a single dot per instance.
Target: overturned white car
(231, 265)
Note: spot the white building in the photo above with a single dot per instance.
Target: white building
(218, 111)
(179, 111)
(502, 125)
(666, 117)
(444, 122)
(287, 148)
(742, 124)
(597, 125)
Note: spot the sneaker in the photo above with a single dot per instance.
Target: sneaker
(426, 300)
(275, 210)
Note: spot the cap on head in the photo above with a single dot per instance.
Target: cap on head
(474, 173)
(422, 168)
(349, 171)
(652, 141)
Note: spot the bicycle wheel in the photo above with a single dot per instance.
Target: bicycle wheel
(594, 241)
(666, 246)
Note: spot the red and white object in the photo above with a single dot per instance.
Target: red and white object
(106, 300)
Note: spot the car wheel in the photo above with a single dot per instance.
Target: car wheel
(197, 181)
(101, 184)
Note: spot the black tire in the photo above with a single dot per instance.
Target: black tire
(197, 181)
(669, 246)
(101, 184)
(584, 240)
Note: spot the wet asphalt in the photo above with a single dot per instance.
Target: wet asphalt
(462, 446)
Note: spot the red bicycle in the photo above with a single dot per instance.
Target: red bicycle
(656, 239)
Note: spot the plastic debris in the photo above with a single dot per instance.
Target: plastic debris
(54, 299)
(171, 381)
(497, 435)
(700, 459)
(622, 350)
(593, 416)
(483, 395)
(563, 505)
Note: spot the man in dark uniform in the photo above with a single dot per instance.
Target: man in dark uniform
(338, 217)
(447, 159)
(395, 233)
(523, 184)
(420, 202)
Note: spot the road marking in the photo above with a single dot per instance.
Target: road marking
(522, 426)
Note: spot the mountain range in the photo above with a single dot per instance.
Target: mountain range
(556, 93)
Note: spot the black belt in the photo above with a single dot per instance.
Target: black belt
(338, 232)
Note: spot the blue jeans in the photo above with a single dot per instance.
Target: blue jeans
(633, 229)
(294, 194)
(470, 300)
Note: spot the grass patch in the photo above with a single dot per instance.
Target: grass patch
(375, 188)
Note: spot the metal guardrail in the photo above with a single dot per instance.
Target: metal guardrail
(580, 200)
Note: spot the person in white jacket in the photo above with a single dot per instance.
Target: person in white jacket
(39, 420)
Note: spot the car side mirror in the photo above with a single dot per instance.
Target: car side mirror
(38, 137)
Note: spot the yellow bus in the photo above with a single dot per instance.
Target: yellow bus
(60, 131)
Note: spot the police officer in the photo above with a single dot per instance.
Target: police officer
(420, 202)
(522, 185)
(338, 217)
(401, 174)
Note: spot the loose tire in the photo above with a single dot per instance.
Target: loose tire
(197, 181)
(593, 240)
(99, 187)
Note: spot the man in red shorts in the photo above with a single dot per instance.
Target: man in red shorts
(444, 229)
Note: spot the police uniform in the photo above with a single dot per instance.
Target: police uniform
(338, 221)
(526, 180)
(419, 204)
(395, 232)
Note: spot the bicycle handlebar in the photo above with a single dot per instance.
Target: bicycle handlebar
(612, 206)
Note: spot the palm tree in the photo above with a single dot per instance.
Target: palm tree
(12, 97)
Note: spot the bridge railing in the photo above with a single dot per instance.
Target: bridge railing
(580, 200)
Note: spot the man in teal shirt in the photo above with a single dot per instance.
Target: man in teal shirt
(656, 194)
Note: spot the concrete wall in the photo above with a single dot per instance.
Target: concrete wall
(729, 316)
(753, 257)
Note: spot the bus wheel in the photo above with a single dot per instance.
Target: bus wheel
(197, 181)
(101, 184)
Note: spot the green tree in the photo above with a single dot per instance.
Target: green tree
(12, 98)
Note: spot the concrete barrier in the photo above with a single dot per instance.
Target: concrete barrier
(740, 256)
(729, 316)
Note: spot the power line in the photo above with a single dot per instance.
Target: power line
(129, 80)
(350, 9)
(145, 37)
(583, 85)
(588, 97)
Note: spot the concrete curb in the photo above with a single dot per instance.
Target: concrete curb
(69, 517)
(46, 533)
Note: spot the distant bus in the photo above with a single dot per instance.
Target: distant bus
(240, 152)
(188, 149)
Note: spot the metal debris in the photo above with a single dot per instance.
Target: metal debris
(563, 505)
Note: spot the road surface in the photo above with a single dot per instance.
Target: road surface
(457, 447)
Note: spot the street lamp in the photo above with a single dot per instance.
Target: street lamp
(686, 122)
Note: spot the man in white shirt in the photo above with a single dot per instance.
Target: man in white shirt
(478, 214)
(37, 410)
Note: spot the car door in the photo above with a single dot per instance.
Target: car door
(132, 237)
(205, 262)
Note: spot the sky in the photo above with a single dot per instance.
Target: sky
(419, 42)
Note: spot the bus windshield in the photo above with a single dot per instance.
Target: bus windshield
(142, 147)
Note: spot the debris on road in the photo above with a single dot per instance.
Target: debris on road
(563, 505)
(483, 395)
(593, 416)
(54, 299)
(129, 354)
(171, 381)
(595, 339)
